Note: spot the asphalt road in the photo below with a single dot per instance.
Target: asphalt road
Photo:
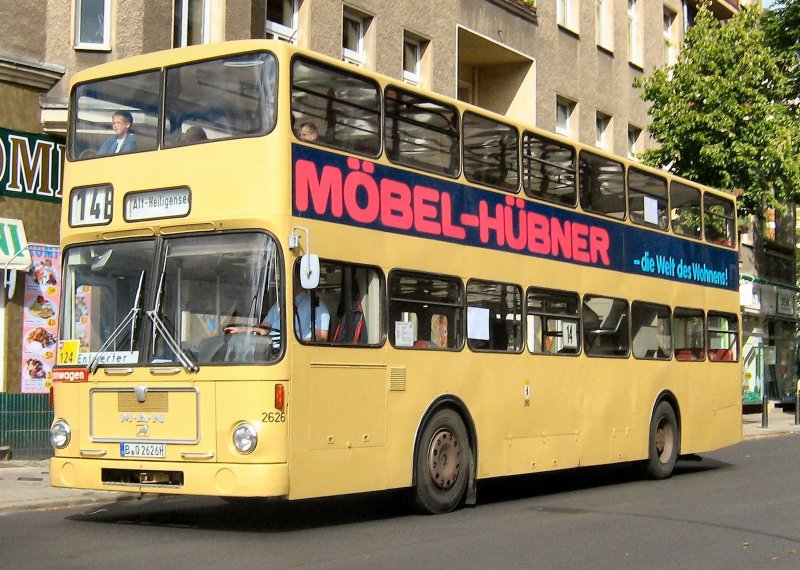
(737, 508)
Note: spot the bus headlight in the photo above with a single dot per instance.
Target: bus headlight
(245, 438)
(60, 434)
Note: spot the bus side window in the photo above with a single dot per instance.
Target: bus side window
(548, 170)
(494, 316)
(491, 152)
(425, 311)
(718, 219)
(353, 294)
(688, 334)
(421, 132)
(344, 107)
(602, 185)
(647, 199)
(605, 326)
(651, 332)
(553, 322)
(723, 337)
(685, 210)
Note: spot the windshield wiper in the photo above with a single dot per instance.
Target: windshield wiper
(131, 318)
(160, 327)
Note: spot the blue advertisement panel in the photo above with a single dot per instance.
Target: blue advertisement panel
(357, 192)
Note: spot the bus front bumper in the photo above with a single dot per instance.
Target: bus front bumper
(184, 478)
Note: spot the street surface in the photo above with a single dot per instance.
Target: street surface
(737, 508)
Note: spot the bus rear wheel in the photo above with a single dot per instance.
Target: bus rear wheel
(664, 442)
(442, 464)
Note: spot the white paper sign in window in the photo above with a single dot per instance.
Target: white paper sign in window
(478, 323)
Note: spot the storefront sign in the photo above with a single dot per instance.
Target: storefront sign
(13, 245)
(40, 318)
(31, 166)
(785, 304)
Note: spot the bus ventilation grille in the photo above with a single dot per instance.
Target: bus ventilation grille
(397, 379)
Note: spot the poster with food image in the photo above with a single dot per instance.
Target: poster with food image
(40, 318)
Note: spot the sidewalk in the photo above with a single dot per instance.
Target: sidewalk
(24, 485)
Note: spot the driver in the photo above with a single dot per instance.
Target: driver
(302, 320)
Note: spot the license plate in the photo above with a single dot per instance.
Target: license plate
(151, 450)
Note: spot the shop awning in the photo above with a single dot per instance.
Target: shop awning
(14, 252)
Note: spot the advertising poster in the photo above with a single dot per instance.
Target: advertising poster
(40, 318)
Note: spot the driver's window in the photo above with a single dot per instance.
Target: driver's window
(217, 293)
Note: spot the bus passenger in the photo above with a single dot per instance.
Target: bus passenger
(123, 139)
(302, 322)
(307, 131)
(195, 135)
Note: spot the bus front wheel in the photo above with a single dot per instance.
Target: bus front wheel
(664, 442)
(442, 463)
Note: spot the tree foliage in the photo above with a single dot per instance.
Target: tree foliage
(782, 26)
(722, 114)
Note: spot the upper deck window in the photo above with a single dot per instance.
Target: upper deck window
(647, 199)
(120, 108)
(344, 108)
(685, 210)
(602, 182)
(718, 219)
(220, 98)
(421, 132)
(491, 152)
(548, 169)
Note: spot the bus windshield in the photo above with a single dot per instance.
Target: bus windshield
(169, 301)
(216, 99)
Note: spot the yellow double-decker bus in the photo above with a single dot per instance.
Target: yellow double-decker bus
(284, 276)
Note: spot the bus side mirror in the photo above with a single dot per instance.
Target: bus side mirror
(309, 271)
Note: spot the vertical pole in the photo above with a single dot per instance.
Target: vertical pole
(797, 404)
(764, 387)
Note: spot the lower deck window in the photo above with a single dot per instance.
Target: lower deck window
(651, 331)
(553, 322)
(425, 311)
(494, 316)
(605, 326)
(723, 337)
(689, 334)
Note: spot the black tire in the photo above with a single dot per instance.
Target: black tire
(442, 464)
(664, 444)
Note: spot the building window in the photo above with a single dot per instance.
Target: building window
(93, 24)
(602, 130)
(282, 20)
(564, 111)
(567, 14)
(634, 33)
(670, 50)
(604, 24)
(353, 31)
(191, 23)
(412, 60)
(634, 142)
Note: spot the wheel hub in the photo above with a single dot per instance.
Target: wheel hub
(664, 440)
(443, 459)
